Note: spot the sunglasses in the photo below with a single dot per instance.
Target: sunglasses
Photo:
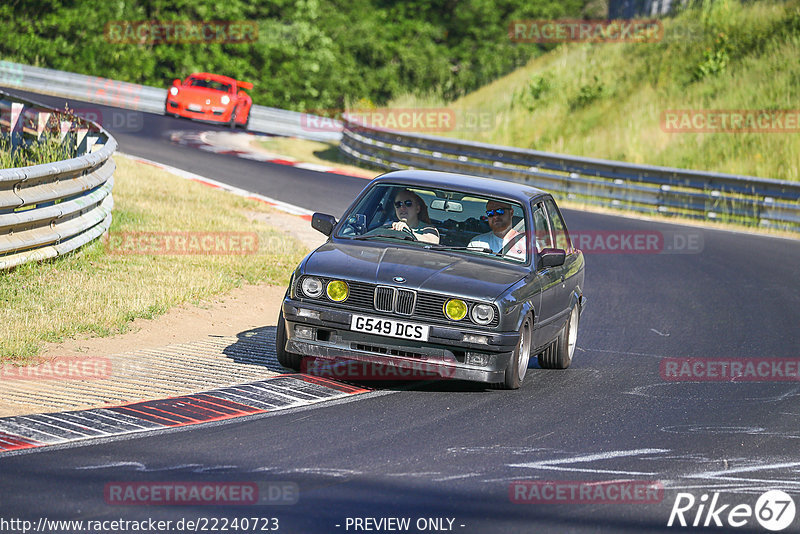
(498, 211)
(400, 203)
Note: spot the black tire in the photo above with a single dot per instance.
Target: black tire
(246, 125)
(518, 366)
(289, 360)
(559, 355)
(232, 124)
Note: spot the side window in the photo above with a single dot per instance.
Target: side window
(541, 231)
(559, 228)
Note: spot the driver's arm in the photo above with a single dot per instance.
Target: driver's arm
(428, 235)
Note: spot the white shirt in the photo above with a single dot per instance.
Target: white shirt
(496, 244)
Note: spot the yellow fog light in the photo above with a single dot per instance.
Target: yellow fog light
(455, 309)
(337, 290)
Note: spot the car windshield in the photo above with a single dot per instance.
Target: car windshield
(440, 219)
(209, 84)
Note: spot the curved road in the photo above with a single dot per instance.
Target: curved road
(451, 450)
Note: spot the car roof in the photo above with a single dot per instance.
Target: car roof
(462, 182)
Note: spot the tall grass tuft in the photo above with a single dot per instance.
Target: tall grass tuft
(48, 148)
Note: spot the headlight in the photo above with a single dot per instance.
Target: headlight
(337, 290)
(225, 99)
(173, 91)
(482, 313)
(455, 309)
(312, 287)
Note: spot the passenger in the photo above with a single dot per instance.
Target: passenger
(412, 215)
(502, 238)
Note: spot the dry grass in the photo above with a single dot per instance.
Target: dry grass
(99, 293)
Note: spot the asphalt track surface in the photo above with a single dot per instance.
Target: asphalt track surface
(451, 449)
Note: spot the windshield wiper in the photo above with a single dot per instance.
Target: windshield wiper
(453, 247)
(365, 237)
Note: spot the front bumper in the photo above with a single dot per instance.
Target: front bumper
(445, 354)
(205, 113)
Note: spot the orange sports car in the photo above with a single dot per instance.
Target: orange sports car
(210, 97)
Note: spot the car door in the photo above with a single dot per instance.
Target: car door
(548, 278)
(564, 283)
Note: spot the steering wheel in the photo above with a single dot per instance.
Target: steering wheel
(391, 232)
(409, 231)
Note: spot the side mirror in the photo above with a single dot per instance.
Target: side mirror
(176, 82)
(552, 257)
(324, 223)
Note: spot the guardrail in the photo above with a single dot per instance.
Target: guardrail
(147, 99)
(50, 209)
(642, 188)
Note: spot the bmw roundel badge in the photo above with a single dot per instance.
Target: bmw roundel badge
(399, 279)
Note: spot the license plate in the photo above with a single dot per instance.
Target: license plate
(194, 107)
(389, 327)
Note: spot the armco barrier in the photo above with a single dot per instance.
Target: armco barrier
(147, 99)
(642, 188)
(51, 209)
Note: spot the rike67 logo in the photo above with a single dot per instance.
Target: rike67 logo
(774, 510)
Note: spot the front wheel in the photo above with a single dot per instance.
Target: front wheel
(232, 123)
(560, 355)
(518, 366)
(289, 360)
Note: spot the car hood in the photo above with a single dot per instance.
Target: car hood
(200, 95)
(427, 270)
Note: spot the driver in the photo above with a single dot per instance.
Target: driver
(412, 215)
(502, 239)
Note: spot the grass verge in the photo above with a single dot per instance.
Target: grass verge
(95, 291)
(608, 100)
